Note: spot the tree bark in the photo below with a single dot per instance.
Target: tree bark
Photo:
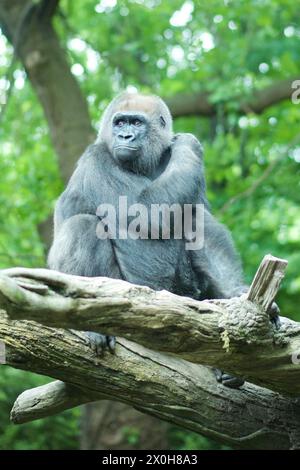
(121, 427)
(158, 384)
(233, 334)
(166, 387)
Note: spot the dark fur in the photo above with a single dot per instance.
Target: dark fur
(169, 169)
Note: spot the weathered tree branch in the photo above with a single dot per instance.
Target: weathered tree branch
(166, 387)
(195, 331)
(162, 385)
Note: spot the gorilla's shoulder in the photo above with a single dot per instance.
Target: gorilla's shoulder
(93, 150)
(93, 154)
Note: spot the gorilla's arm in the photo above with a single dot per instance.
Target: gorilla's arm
(76, 249)
(218, 261)
(219, 264)
(75, 200)
(183, 181)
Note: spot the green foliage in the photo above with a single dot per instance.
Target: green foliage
(183, 440)
(131, 435)
(253, 162)
(29, 181)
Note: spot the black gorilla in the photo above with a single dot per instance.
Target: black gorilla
(136, 155)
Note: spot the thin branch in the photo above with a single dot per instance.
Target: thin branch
(48, 400)
(266, 173)
(253, 187)
(200, 103)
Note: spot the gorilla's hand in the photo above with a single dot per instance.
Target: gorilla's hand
(188, 140)
(99, 343)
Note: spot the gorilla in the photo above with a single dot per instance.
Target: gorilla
(137, 156)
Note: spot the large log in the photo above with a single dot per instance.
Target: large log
(234, 334)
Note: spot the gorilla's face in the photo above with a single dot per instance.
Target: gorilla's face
(129, 130)
(137, 130)
(139, 140)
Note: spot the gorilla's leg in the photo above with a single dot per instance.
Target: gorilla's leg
(218, 263)
(77, 250)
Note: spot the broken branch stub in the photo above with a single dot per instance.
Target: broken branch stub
(266, 282)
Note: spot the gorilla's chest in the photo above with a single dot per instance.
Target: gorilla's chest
(159, 264)
(116, 187)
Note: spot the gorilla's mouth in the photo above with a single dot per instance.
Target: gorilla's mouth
(125, 152)
(125, 147)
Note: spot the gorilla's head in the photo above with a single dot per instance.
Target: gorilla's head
(137, 130)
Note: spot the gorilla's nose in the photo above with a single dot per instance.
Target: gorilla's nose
(126, 137)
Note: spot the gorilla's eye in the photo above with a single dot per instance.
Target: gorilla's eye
(137, 122)
(120, 123)
(162, 121)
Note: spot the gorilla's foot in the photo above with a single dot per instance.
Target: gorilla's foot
(228, 380)
(274, 315)
(276, 322)
(99, 343)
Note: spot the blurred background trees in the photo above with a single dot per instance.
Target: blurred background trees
(225, 67)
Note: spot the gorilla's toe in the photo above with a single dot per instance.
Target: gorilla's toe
(99, 343)
(228, 380)
(274, 315)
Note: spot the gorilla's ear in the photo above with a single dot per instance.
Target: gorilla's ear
(162, 121)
